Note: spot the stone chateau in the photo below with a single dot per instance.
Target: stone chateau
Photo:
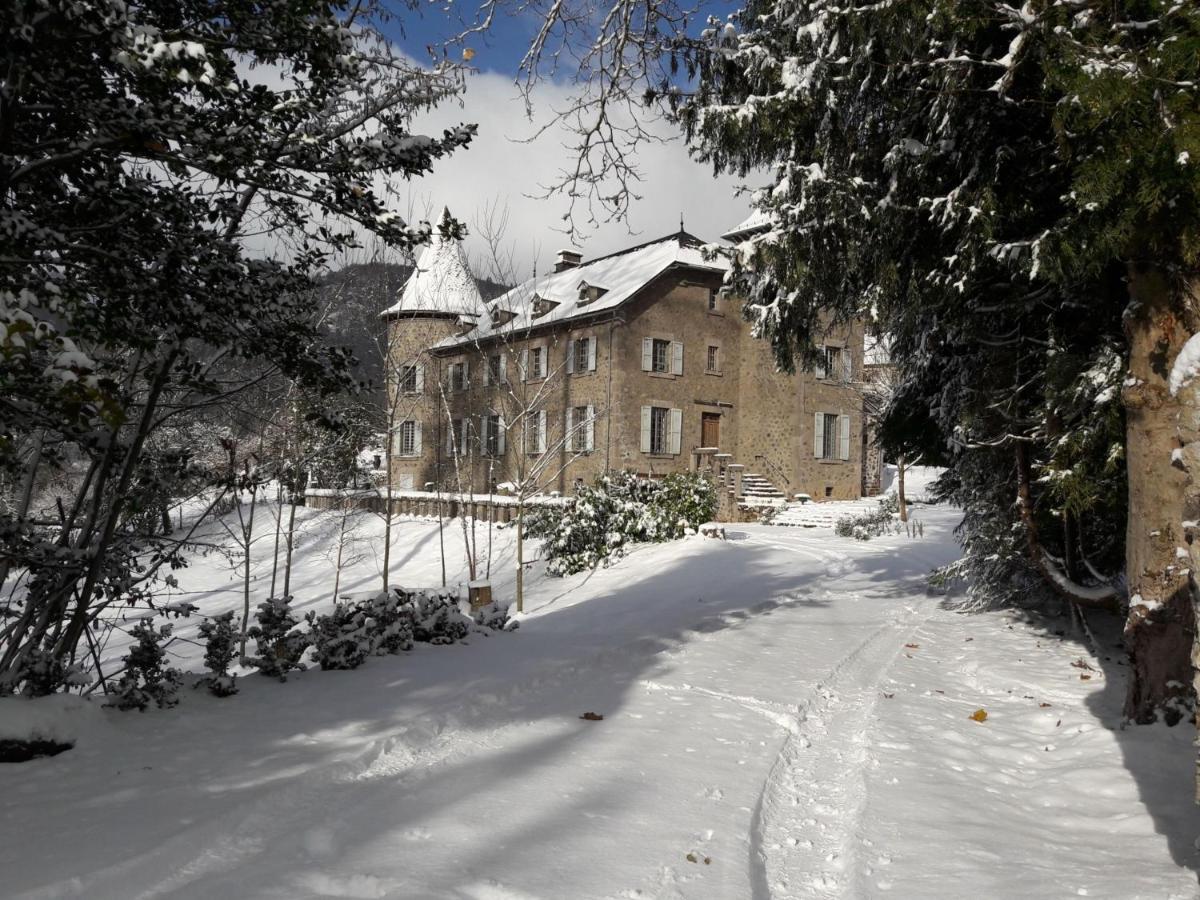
(636, 360)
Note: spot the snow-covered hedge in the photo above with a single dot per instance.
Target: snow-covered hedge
(390, 621)
(618, 510)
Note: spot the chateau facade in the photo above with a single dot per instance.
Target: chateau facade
(636, 360)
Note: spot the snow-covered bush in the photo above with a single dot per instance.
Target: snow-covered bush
(437, 618)
(389, 622)
(280, 645)
(42, 674)
(220, 647)
(340, 638)
(494, 617)
(868, 525)
(620, 509)
(145, 678)
(345, 637)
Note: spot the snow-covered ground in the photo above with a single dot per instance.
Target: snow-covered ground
(786, 714)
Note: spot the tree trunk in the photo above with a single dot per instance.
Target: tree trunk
(520, 557)
(1160, 627)
(903, 504)
(278, 532)
(289, 543)
(248, 538)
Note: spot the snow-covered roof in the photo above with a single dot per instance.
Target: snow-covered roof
(619, 276)
(756, 221)
(441, 283)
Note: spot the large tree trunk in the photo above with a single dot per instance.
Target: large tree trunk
(1161, 625)
(901, 500)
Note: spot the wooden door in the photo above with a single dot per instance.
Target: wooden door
(710, 429)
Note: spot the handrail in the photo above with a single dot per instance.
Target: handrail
(777, 471)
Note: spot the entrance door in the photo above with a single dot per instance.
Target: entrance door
(710, 429)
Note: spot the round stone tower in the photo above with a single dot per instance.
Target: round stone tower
(439, 300)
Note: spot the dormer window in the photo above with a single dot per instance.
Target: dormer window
(589, 293)
(541, 305)
(501, 316)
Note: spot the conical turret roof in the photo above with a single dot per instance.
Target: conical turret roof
(441, 283)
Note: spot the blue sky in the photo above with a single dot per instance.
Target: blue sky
(499, 168)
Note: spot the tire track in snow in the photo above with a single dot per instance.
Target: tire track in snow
(803, 840)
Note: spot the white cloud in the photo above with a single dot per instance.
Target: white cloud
(499, 167)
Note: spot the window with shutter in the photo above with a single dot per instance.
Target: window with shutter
(661, 359)
(407, 440)
(571, 357)
(830, 431)
(677, 358)
(660, 421)
(647, 418)
(583, 354)
(580, 426)
(843, 437)
(818, 435)
(647, 354)
(408, 377)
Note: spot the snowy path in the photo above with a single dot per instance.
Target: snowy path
(760, 706)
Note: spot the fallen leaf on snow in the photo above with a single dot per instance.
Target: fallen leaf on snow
(1043, 705)
(592, 717)
(691, 857)
(912, 646)
(708, 860)
(980, 715)
(1081, 664)
(1085, 677)
(888, 696)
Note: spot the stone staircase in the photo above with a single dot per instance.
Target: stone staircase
(825, 514)
(758, 490)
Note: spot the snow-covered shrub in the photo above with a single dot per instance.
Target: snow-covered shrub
(619, 509)
(494, 617)
(437, 618)
(340, 638)
(345, 637)
(682, 502)
(866, 526)
(145, 678)
(279, 644)
(42, 674)
(390, 622)
(220, 646)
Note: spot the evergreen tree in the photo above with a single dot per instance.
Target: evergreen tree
(942, 169)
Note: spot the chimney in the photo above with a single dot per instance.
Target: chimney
(567, 259)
